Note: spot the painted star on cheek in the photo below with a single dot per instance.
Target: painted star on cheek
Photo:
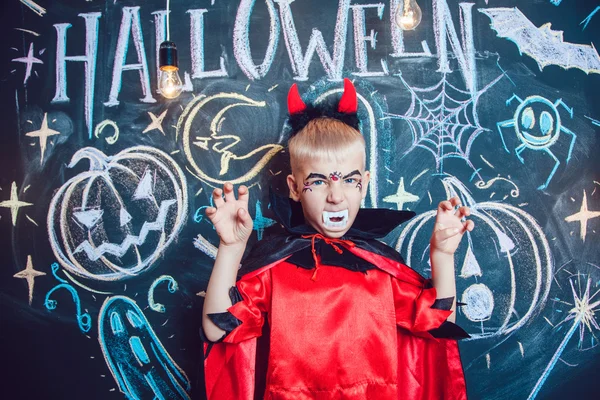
(335, 176)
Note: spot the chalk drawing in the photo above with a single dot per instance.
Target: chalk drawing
(594, 121)
(156, 122)
(544, 45)
(131, 198)
(28, 31)
(587, 19)
(398, 36)
(100, 127)
(144, 188)
(43, 134)
(197, 48)
(14, 203)
(479, 302)
(443, 120)
(583, 216)
(361, 38)
(261, 222)
(29, 60)
(583, 316)
(172, 287)
(444, 30)
(241, 40)
(401, 196)
(485, 185)
(130, 25)
(95, 253)
(33, 6)
(224, 144)
(137, 359)
(420, 174)
(84, 320)
(332, 64)
(89, 60)
(499, 228)
(88, 218)
(29, 274)
(538, 125)
(202, 244)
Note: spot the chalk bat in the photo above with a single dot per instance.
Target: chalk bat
(544, 45)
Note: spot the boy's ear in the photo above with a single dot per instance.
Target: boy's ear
(292, 185)
(365, 182)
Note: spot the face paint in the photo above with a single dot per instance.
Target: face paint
(359, 185)
(335, 176)
(333, 202)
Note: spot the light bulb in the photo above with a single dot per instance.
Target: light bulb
(408, 15)
(169, 83)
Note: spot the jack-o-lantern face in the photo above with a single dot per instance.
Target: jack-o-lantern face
(113, 221)
(504, 266)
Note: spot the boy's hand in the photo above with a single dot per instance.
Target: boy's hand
(449, 227)
(230, 216)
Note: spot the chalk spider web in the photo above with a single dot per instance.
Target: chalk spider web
(443, 120)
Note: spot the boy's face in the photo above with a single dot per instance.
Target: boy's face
(330, 192)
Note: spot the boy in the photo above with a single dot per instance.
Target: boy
(347, 318)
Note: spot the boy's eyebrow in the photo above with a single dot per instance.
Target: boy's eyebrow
(355, 172)
(315, 175)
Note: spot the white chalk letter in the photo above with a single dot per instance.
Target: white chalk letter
(360, 39)
(443, 27)
(241, 40)
(398, 35)
(300, 63)
(130, 24)
(89, 60)
(197, 48)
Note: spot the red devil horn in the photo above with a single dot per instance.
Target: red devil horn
(348, 103)
(295, 103)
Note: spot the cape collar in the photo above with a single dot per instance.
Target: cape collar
(370, 223)
(299, 247)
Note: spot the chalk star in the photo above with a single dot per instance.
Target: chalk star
(30, 274)
(156, 122)
(14, 203)
(29, 61)
(260, 222)
(583, 216)
(43, 133)
(401, 196)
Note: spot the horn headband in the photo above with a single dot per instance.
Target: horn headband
(345, 110)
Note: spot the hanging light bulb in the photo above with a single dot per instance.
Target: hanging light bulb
(408, 15)
(169, 82)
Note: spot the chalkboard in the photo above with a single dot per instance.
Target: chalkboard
(106, 250)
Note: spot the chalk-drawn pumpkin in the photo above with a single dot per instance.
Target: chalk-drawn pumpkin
(504, 267)
(116, 219)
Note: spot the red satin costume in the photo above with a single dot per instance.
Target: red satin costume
(336, 331)
(338, 334)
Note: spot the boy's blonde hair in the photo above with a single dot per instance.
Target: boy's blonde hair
(324, 138)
